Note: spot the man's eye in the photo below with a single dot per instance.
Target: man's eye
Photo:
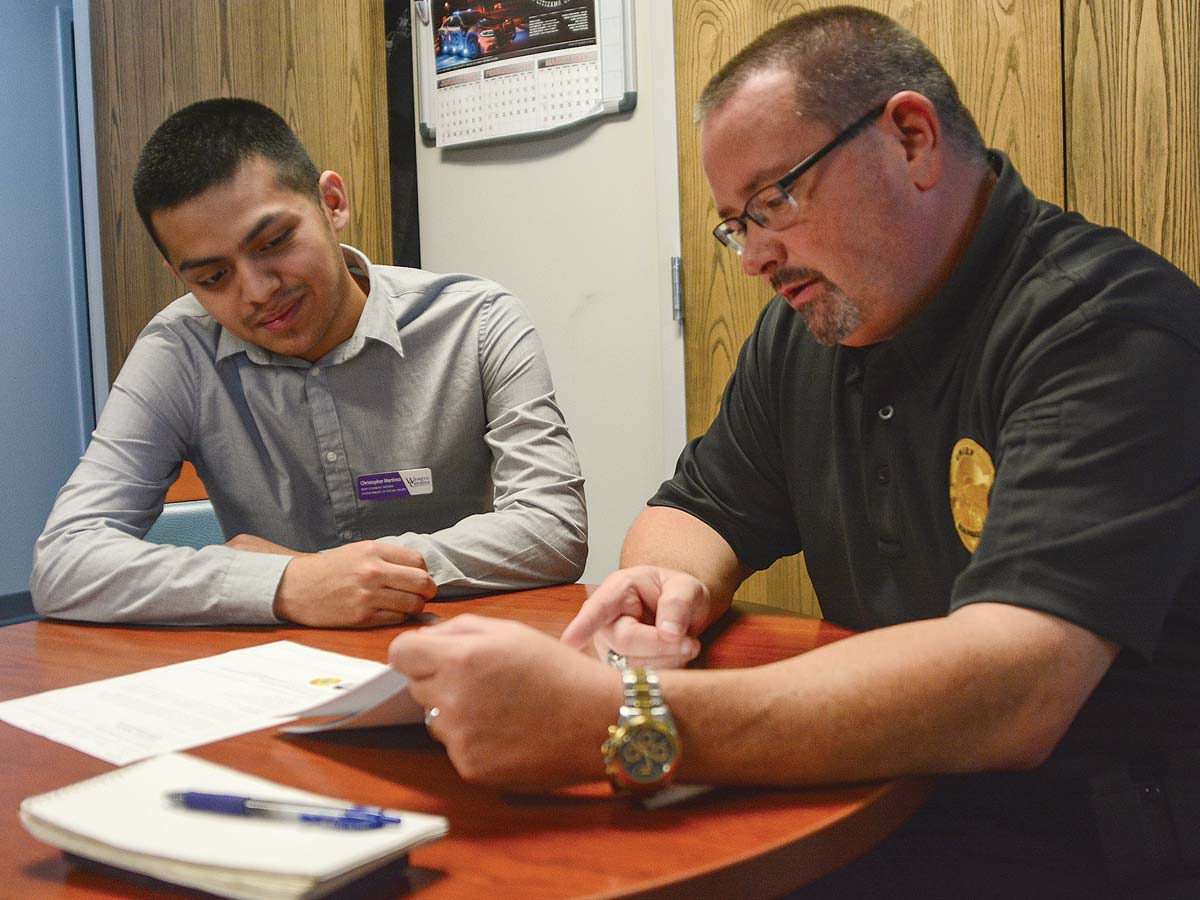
(278, 241)
(773, 200)
(211, 280)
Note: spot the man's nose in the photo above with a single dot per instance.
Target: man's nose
(262, 283)
(762, 252)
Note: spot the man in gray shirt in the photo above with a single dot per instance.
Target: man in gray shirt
(370, 436)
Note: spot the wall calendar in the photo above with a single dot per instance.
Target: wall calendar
(505, 69)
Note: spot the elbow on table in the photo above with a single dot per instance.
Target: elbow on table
(564, 546)
(577, 550)
(63, 584)
(575, 562)
(576, 546)
(50, 596)
(1027, 755)
(1026, 744)
(564, 559)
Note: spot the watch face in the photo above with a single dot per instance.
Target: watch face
(647, 753)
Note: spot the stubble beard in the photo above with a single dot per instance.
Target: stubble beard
(832, 317)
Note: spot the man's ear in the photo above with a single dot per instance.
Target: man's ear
(335, 200)
(913, 120)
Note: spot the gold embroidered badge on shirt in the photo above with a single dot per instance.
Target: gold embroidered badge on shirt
(971, 477)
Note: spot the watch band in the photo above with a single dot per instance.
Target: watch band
(643, 690)
(643, 747)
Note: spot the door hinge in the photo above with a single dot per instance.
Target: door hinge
(676, 289)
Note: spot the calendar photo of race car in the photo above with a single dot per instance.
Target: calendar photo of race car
(471, 34)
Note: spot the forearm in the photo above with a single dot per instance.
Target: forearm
(668, 537)
(991, 687)
(536, 532)
(514, 549)
(90, 562)
(99, 574)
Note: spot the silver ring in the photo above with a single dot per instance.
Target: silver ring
(614, 659)
(432, 713)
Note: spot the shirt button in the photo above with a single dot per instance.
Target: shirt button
(347, 535)
(314, 371)
(331, 456)
(883, 475)
(886, 412)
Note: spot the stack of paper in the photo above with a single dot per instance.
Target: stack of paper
(123, 818)
(381, 700)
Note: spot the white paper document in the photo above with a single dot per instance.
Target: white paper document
(175, 707)
(381, 700)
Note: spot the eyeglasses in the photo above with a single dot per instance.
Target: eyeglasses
(774, 208)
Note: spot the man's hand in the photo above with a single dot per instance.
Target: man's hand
(650, 615)
(359, 585)
(516, 709)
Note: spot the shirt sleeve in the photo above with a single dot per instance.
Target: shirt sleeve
(1097, 485)
(732, 477)
(536, 533)
(91, 561)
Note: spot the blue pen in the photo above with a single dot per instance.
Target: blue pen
(349, 817)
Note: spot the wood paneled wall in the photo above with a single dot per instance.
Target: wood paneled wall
(319, 64)
(1132, 84)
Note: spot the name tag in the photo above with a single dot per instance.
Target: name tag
(393, 485)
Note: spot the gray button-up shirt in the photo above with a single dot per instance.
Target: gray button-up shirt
(434, 426)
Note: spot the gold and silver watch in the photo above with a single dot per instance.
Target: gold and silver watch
(643, 748)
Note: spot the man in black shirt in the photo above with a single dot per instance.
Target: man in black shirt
(976, 415)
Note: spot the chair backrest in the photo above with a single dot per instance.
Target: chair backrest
(190, 523)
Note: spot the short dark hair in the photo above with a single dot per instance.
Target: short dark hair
(845, 60)
(203, 145)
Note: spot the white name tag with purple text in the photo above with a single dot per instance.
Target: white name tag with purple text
(394, 485)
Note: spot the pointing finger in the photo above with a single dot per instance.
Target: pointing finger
(629, 592)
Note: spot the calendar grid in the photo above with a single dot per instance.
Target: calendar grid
(539, 72)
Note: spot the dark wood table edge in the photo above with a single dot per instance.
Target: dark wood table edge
(781, 869)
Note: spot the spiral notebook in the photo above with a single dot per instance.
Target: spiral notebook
(122, 818)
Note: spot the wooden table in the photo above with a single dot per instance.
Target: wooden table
(578, 843)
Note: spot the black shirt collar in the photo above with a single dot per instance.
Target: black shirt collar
(926, 345)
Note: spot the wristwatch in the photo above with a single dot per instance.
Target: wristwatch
(643, 748)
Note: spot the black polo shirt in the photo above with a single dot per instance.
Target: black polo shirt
(1033, 437)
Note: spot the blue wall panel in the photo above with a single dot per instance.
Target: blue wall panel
(46, 407)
